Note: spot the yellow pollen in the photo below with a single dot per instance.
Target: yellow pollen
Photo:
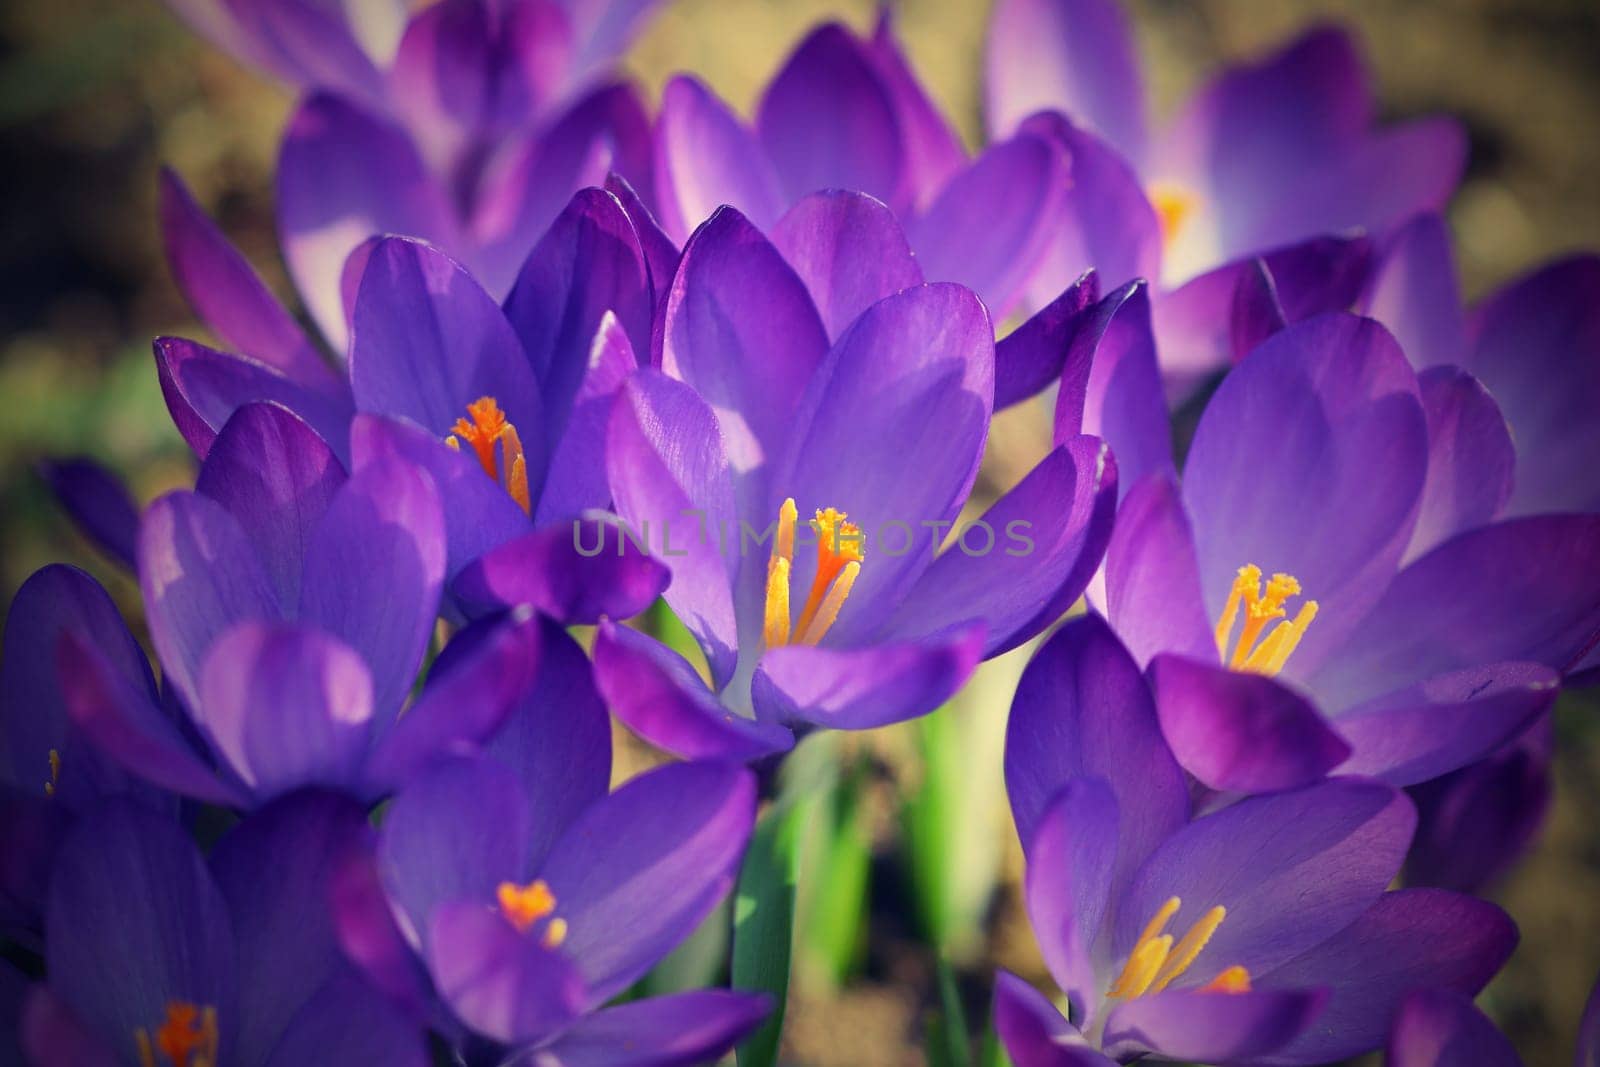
(1174, 205)
(187, 1037)
(1233, 980)
(486, 429)
(840, 552)
(555, 932)
(1156, 962)
(55, 773)
(1251, 652)
(524, 905)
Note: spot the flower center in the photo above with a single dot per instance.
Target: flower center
(840, 550)
(1156, 961)
(187, 1037)
(1252, 653)
(55, 773)
(486, 428)
(525, 905)
(1175, 205)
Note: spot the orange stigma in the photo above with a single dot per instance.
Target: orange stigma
(487, 428)
(525, 905)
(55, 773)
(1174, 205)
(187, 1037)
(1157, 960)
(840, 551)
(1251, 652)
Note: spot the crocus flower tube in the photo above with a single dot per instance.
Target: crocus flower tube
(1283, 636)
(159, 958)
(838, 614)
(1259, 932)
(468, 123)
(291, 606)
(1442, 1028)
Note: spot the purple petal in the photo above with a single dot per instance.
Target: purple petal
(1589, 1031)
(557, 739)
(1310, 460)
(1074, 56)
(589, 264)
(468, 696)
(274, 871)
(827, 121)
(501, 982)
(204, 387)
(1415, 292)
(1123, 403)
(678, 1030)
(1240, 732)
(99, 505)
(659, 251)
(373, 573)
(1407, 940)
(1471, 458)
(1082, 710)
(1257, 312)
(1533, 346)
(1214, 1027)
(1291, 868)
(348, 1021)
(669, 471)
(867, 685)
(705, 158)
(1033, 1031)
(199, 574)
(1105, 223)
(318, 44)
(370, 936)
(276, 477)
(286, 706)
(1445, 723)
(741, 329)
(1531, 577)
(578, 572)
(656, 694)
(914, 376)
(1071, 875)
(637, 872)
(605, 28)
(848, 250)
(991, 223)
(1153, 593)
(229, 297)
(932, 148)
(1050, 346)
(135, 921)
(426, 341)
(345, 175)
(1442, 1028)
(33, 825)
(1046, 538)
(578, 480)
(48, 1030)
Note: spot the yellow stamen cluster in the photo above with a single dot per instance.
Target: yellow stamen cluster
(1269, 655)
(524, 905)
(840, 551)
(1174, 206)
(55, 773)
(487, 428)
(187, 1037)
(1157, 961)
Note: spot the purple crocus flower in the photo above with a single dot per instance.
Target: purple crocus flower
(1283, 635)
(848, 620)
(510, 897)
(1258, 933)
(291, 605)
(847, 113)
(470, 123)
(1442, 1028)
(521, 393)
(158, 957)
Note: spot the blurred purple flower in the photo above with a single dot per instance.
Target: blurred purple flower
(1442, 1028)
(1259, 932)
(753, 414)
(157, 956)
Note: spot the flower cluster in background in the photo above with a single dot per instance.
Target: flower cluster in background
(466, 735)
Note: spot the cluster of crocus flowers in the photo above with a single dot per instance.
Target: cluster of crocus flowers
(585, 361)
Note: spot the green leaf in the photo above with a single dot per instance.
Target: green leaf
(947, 1041)
(833, 902)
(763, 921)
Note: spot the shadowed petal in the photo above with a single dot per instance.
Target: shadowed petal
(1471, 459)
(706, 157)
(578, 480)
(1123, 402)
(1033, 1032)
(1071, 872)
(98, 503)
(678, 1030)
(932, 148)
(501, 982)
(347, 1021)
(1153, 595)
(1051, 346)
(1214, 1027)
(1442, 1028)
(1415, 292)
(849, 250)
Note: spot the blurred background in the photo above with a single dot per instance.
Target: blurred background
(96, 94)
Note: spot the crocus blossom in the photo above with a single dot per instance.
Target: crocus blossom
(1283, 636)
(157, 956)
(849, 620)
(291, 606)
(1259, 932)
(1442, 1028)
